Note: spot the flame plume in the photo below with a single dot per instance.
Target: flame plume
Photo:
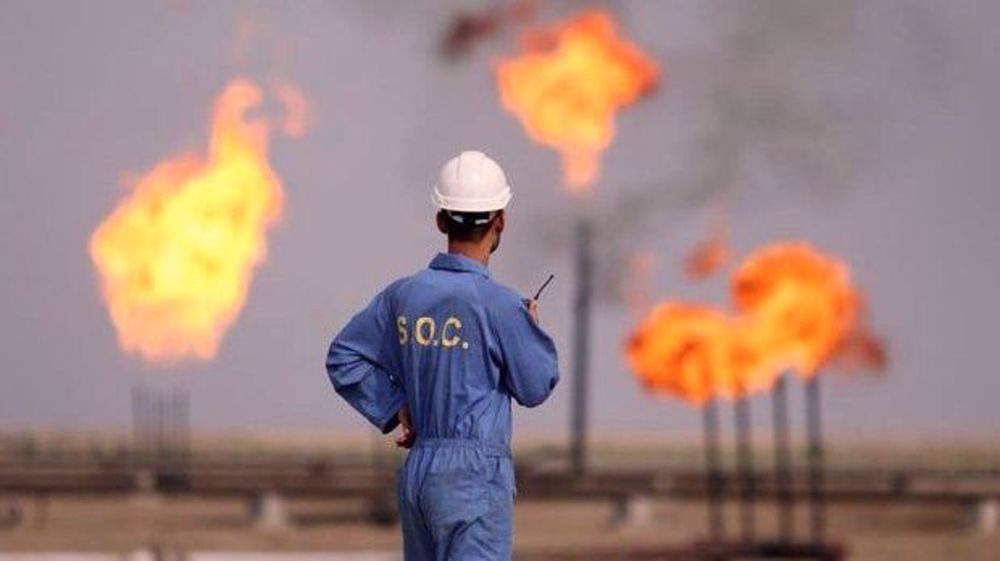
(567, 84)
(797, 310)
(682, 349)
(176, 257)
(697, 352)
(801, 302)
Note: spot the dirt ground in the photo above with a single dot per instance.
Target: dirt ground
(871, 532)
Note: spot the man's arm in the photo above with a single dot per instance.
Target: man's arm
(531, 366)
(357, 368)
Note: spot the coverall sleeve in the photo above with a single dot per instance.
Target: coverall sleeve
(358, 368)
(530, 364)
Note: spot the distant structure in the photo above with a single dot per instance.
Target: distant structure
(161, 426)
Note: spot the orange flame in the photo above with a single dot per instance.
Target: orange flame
(567, 85)
(862, 348)
(708, 256)
(801, 302)
(297, 110)
(177, 255)
(696, 352)
(798, 310)
(681, 349)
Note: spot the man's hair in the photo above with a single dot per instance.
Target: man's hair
(467, 226)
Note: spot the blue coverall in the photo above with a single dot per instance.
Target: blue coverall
(455, 346)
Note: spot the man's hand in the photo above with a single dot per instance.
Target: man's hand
(532, 306)
(407, 435)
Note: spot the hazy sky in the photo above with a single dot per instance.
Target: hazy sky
(905, 190)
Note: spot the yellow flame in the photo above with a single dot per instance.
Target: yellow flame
(568, 84)
(176, 256)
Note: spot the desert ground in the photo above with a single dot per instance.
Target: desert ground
(870, 532)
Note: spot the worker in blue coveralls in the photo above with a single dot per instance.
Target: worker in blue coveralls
(442, 353)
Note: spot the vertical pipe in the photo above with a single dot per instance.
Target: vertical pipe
(744, 459)
(185, 427)
(136, 412)
(713, 478)
(782, 462)
(815, 454)
(147, 425)
(581, 344)
(158, 414)
(188, 438)
(140, 424)
(173, 409)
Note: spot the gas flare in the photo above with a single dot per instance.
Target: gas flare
(801, 302)
(797, 309)
(682, 349)
(697, 352)
(567, 85)
(177, 255)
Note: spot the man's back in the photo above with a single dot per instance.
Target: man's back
(443, 352)
(459, 347)
(454, 346)
(454, 327)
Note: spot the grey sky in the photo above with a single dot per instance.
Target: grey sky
(90, 91)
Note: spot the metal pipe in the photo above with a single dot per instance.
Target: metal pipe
(782, 460)
(181, 427)
(713, 477)
(815, 459)
(744, 462)
(158, 432)
(187, 426)
(136, 420)
(171, 423)
(581, 345)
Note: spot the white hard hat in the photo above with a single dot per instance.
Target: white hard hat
(471, 182)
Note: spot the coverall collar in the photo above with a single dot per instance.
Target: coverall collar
(461, 263)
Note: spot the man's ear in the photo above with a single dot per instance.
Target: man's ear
(501, 221)
(441, 224)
